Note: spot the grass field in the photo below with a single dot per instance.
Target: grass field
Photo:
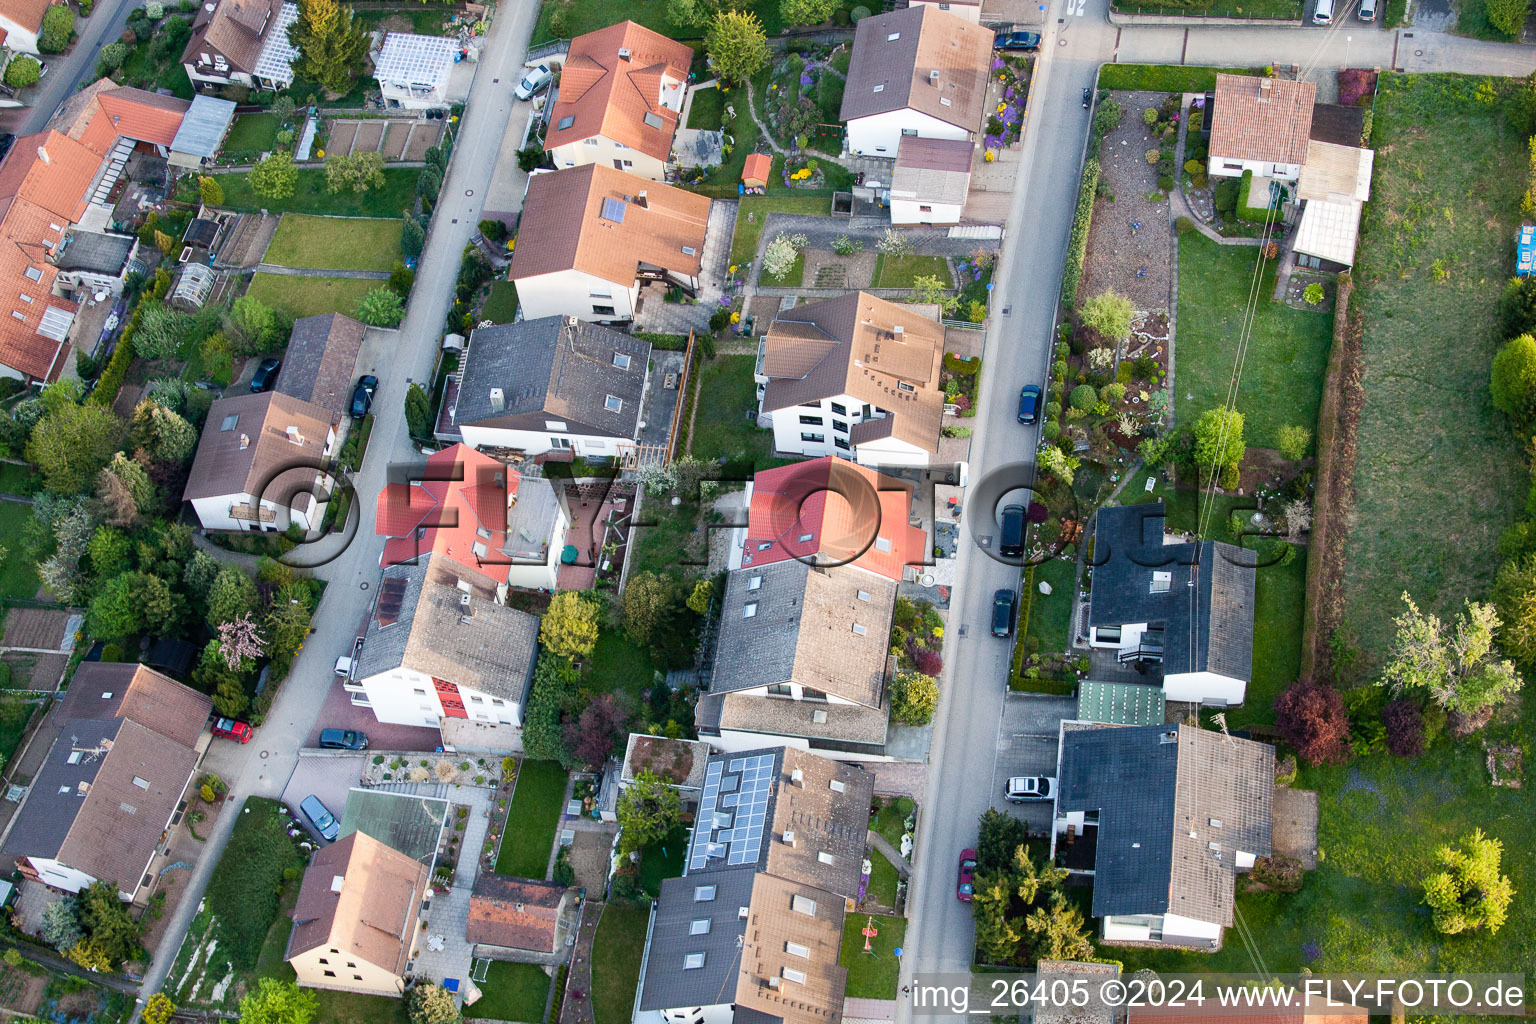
(755, 209)
(726, 394)
(17, 479)
(901, 271)
(335, 243)
(619, 666)
(1050, 615)
(15, 714)
(872, 975)
(18, 574)
(882, 879)
(794, 277)
(663, 860)
(513, 992)
(616, 973)
(707, 110)
(311, 296)
(1164, 77)
(890, 820)
(247, 877)
(1287, 348)
(501, 305)
(1428, 436)
(256, 133)
(310, 196)
(537, 802)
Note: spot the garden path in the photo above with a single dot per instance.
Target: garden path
(276, 268)
(883, 845)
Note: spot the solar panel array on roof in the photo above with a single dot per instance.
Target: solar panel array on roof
(391, 597)
(733, 810)
(613, 209)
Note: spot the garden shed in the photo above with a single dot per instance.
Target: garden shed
(755, 172)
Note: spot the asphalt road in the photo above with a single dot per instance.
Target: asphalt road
(68, 73)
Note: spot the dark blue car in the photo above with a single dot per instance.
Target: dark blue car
(1029, 404)
(1026, 41)
(266, 375)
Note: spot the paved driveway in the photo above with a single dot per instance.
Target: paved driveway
(1027, 742)
(327, 776)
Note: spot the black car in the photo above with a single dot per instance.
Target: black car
(1011, 545)
(343, 739)
(265, 375)
(1026, 41)
(1002, 613)
(1029, 404)
(362, 396)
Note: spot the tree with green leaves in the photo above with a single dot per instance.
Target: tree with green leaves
(430, 1004)
(158, 1009)
(161, 434)
(646, 606)
(1459, 670)
(357, 172)
(61, 927)
(1056, 930)
(648, 810)
(553, 693)
(331, 45)
(57, 29)
(1508, 16)
(1109, 313)
(1513, 380)
(275, 177)
(736, 44)
(914, 698)
(1470, 893)
(210, 191)
(931, 289)
(160, 332)
(999, 836)
(1295, 441)
(126, 491)
(111, 58)
(129, 603)
(105, 919)
(23, 71)
(569, 628)
(1219, 439)
(686, 13)
(278, 1002)
(997, 934)
(71, 444)
(1035, 880)
(232, 596)
(412, 237)
(381, 307)
(1514, 596)
(252, 326)
(703, 592)
(418, 411)
(806, 12)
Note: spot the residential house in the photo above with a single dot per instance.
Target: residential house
(555, 384)
(21, 21)
(1307, 1008)
(1260, 125)
(856, 376)
(620, 96)
(518, 918)
(241, 42)
(319, 362)
(112, 784)
(931, 180)
(414, 71)
(261, 464)
(354, 925)
(591, 236)
(436, 648)
(752, 929)
(1334, 187)
(1168, 815)
(1184, 606)
(113, 121)
(803, 659)
(970, 10)
(829, 512)
(678, 763)
(915, 71)
(498, 529)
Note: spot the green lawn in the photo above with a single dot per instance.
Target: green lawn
(15, 479)
(1287, 348)
(872, 975)
(721, 427)
(902, 271)
(616, 973)
(619, 666)
(1436, 247)
(15, 714)
(18, 574)
(708, 110)
(335, 243)
(256, 133)
(794, 277)
(353, 1008)
(244, 884)
(890, 820)
(1165, 77)
(663, 860)
(1050, 615)
(501, 305)
(311, 296)
(755, 209)
(310, 196)
(513, 992)
(1279, 598)
(537, 803)
(883, 877)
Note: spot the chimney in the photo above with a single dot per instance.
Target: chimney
(1265, 87)
(797, 778)
(42, 154)
(294, 437)
(898, 329)
(624, 53)
(933, 76)
(640, 199)
(498, 400)
(789, 839)
(245, 441)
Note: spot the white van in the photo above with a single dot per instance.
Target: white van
(1323, 15)
(1366, 10)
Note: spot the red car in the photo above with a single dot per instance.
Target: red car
(967, 874)
(240, 732)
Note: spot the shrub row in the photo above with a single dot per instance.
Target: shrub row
(116, 371)
(1077, 247)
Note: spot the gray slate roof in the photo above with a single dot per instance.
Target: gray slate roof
(56, 799)
(203, 126)
(1164, 795)
(549, 369)
(322, 353)
(666, 983)
(1217, 612)
(96, 252)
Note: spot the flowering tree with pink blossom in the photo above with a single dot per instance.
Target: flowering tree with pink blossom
(240, 639)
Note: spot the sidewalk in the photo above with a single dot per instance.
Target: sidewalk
(579, 1010)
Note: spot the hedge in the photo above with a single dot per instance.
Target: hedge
(1077, 247)
(664, 342)
(111, 379)
(1165, 77)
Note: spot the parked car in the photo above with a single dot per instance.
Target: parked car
(1002, 613)
(967, 887)
(1367, 10)
(1026, 41)
(362, 396)
(347, 662)
(1029, 404)
(535, 81)
(1011, 543)
(325, 823)
(265, 375)
(343, 739)
(1029, 787)
(229, 729)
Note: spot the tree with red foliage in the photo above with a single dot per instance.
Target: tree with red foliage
(1311, 718)
(1405, 727)
(928, 662)
(593, 736)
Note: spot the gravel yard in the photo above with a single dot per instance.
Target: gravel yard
(1117, 251)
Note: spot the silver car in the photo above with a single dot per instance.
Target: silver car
(535, 81)
(1029, 787)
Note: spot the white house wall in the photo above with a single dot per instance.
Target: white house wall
(1205, 687)
(880, 134)
(60, 875)
(19, 38)
(911, 211)
(578, 294)
(605, 151)
(403, 696)
(890, 451)
(720, 1013)
(1227, 167)
(970, 12)
(538, 442)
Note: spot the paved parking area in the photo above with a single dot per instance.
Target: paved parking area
(327, 776)
(1027, 740)
(340, 713)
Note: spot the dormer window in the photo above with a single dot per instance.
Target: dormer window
(613, 403)
(902, 385)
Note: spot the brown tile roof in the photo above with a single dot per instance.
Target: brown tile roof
(846, 723)
(243, 457)
(1261, 119)
(563, 226)
(797, 989)
(319, 361)
(52, 171)
(27, 239)
(898, 52)
(27, 14)
(140, 694)
(514, 913)
(824, 821)
(362, 897)
(607, 95)
(236, 30)
(850, 345)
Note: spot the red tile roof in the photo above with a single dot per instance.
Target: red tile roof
(440, 515)
(835, 512)
(611, 96)
(26, 13)
(514, 913)
(24, 229)
(757, 169)
(51, 171)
